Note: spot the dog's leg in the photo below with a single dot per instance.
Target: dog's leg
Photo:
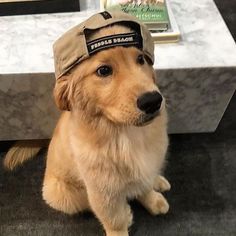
(161, 184)
(154, 202)
(63, 195)
(113, 212)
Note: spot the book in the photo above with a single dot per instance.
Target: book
(172, 34)
(160, 19)
(152, 12)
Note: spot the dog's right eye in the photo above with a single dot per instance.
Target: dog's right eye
(140, 59)
(104, 71)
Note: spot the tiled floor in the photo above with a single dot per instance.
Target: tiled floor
(201, 168)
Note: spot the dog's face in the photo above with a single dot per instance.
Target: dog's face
(117, 83)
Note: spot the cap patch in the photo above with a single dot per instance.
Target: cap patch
(126, 40)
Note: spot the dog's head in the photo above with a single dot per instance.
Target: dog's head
(117, 84)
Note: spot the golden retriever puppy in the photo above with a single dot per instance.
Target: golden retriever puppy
(108, 148)
(110, 142)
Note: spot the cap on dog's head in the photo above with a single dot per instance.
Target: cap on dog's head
(104, 69)
(73, 47)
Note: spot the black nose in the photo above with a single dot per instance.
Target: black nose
(149, 102)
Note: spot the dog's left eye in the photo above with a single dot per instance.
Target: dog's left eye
(104, 71)
(140, 59)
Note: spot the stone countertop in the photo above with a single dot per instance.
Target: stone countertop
(26, 41)
(196, 75)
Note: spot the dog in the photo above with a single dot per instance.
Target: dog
(110, 142)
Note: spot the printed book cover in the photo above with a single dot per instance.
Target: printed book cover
(161, 23)
(152, 12)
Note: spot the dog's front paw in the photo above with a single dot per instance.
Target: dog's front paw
(117, 233)
(159, 205)
(162, 206)
(154, 202)
(161, 184)
(118, 225)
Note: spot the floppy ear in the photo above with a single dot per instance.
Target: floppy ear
(61, 93)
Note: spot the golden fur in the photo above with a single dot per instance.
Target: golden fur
(102, 153)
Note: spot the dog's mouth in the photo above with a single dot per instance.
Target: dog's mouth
(146, 119)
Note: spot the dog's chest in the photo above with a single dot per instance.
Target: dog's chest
(143, 168)
(127, 163)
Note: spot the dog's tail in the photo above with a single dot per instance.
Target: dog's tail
(22, 151)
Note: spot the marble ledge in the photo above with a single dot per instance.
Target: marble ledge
(196, 101)
(197, 75)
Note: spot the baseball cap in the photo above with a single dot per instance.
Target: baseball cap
(72, 47)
